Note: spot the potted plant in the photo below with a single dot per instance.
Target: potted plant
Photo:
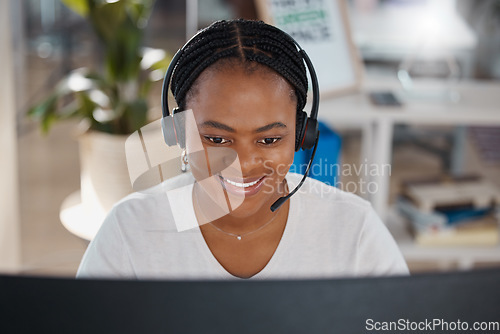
(112, 100)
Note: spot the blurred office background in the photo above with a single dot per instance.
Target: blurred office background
(45, 40)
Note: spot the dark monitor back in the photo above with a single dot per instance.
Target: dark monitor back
(45, 305)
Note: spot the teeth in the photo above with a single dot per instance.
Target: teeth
(241, 185)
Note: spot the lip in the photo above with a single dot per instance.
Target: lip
(239, 190)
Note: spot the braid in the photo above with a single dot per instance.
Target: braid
(246, 41)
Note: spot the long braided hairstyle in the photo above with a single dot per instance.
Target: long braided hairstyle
(248, 42)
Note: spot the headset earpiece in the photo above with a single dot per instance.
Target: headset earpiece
(300, 127)
(180, 127)
(310, 134)
(173, 128)
(168, 130)
(306, 131)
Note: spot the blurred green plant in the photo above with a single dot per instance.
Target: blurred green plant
(113, 100)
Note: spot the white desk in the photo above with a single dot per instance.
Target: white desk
(479, 104)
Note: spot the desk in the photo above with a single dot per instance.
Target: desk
(445, 257)
(479, 104)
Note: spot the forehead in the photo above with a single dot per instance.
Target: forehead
(242, 97)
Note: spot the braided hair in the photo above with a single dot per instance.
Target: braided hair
(248, 42)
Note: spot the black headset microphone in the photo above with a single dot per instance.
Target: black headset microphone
(307, 133)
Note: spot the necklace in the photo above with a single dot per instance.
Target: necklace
(240, 236)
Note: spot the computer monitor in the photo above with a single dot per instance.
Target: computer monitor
(422, 303)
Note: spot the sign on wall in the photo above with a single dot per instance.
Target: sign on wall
(321, 28)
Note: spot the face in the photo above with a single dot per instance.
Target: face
(245, 120)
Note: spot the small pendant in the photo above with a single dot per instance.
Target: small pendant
(238, 237)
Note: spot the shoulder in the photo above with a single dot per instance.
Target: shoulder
(125, 237)
(346, 225)
(354, 224)
(151, 195)
(323, 194)
(152, 208)
(329, 210)
(336, 212)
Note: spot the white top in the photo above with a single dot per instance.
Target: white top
(329, 233)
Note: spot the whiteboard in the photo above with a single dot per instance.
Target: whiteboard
(321, 28)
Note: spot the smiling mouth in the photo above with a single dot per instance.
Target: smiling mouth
(242, 187)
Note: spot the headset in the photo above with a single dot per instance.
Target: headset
(307, 133)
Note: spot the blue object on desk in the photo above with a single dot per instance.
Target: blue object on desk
(325, 167)
(460, 215)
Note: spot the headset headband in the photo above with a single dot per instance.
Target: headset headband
(178, 54)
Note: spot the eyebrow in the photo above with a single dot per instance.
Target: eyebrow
(222, 126)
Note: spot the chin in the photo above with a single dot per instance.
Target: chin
(250, 207)
(259, 202)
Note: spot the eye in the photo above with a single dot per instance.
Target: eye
(217, 140)
(269, 141)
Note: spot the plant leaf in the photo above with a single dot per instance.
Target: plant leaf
(45, 112)
(135, 115)
(120, 27)
(139, 11)
(81, 7)
(123, 52)
(162, 64)
(145, 88)
(108, 18)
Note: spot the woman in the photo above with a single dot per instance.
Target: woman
(242, 85)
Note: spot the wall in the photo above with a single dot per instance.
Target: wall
(9, 202)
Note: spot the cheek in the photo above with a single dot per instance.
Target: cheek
(279, 161)
(198, 165)
(277, 166)
(209, 161)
